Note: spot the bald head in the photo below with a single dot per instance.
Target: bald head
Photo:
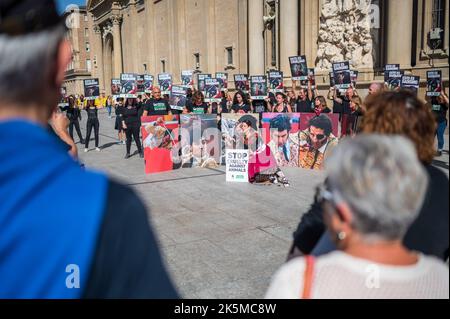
(375, 88)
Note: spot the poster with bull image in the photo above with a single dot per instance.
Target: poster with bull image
(410, 82)
(115, 88)
(177, 100)
(161, 143)
(276, 83)
(200, 141)
(258, 87)
(354, 77)
(299, 68)
(128, 82)
(91, 89)
(342, 75)
(201, 81)
(148, 83)
(394, 79)
(187, 79)
(212, 91)
(165, 83)
(311, 79)
(388, 68)
(434, 83)
(223, 80)
(241, 82)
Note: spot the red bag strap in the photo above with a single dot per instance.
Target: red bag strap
(308, 277)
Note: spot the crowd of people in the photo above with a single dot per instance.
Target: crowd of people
(378, 226)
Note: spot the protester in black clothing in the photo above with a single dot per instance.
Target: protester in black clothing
(439, 106)
(157, 105)
(131, 124)
(395, 113)
(281, 105)
(73, 113)
(260, 106)
(197, 105)
(341, 103)
(118, 125)
(240, 103)
(92, 122)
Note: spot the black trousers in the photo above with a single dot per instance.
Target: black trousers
(133, 132)
(96, 125)
(75, 123)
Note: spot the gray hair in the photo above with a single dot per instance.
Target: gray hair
(27, 65)
(382, 181)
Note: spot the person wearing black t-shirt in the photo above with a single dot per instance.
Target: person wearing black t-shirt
(439, 106)
(131, 124)
(74, 115)
(197, 105)
(156, 105)
(92, 122)
(240, 104)
(341, 103)
(281, 105)
(260, 106)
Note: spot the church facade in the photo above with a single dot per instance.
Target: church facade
(255, 36)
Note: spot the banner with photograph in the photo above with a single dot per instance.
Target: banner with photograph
(276, 82)
(258, 87)
(311, 79)
(177, 100)
(148, 83)
(234, 127)
(393, 79)
(354, 77)
(342, 76)
(434, 83)
(160, 142)
(201, 82)
(212, 91)
(237, 165)
(63, 100)
(116, 87)
(241, 82)
(299, 68)
(200, 141)
(165, 83)
(91, 89)
(410, 82)
(128, 82)
(222, 77)
(388, 68)
(187, 79)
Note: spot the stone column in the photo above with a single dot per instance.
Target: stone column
(255, 37)
(288, 33)
(97, 68)
(117, 46)
(399, 37)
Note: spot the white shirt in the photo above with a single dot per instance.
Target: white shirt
(341, 276)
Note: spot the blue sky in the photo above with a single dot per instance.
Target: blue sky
(62, 4)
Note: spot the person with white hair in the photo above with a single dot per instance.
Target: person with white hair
(375, 189)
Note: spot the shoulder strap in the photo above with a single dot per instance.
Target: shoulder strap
(308, 278)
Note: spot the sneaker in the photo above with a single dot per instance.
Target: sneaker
(86, 150)
(97, 149)
(141, 155)
(82, 142)
(123, 143)
(127, 156)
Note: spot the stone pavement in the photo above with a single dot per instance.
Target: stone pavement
(220, 240)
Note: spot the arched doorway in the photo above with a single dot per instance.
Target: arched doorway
(108, 61)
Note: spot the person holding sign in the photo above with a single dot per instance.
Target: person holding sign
(92, 122)
(131, 124)
(156, 105)
(439, 106)
(197, 105)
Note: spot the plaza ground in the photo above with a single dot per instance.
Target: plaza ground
(219, 240)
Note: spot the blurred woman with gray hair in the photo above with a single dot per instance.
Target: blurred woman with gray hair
(375, 189)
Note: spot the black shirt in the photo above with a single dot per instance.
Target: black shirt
(157, 107)
(131, 115)
(259, 106)
(127, 261)
(304, 106)
(342, 108)
(197, 109)
(440, 111)
(92, 112)
(244, 107)
(224, 106)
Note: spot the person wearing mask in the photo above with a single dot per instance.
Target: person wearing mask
(394, 113)
(92, 122)
(197, 105)
(240, 103)
(281, 105)
(119, 108)
(52, 246)
(368, 208)
(157, 105)
(439, 106)
(320, 105)
(74, 115)
(131, 125)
